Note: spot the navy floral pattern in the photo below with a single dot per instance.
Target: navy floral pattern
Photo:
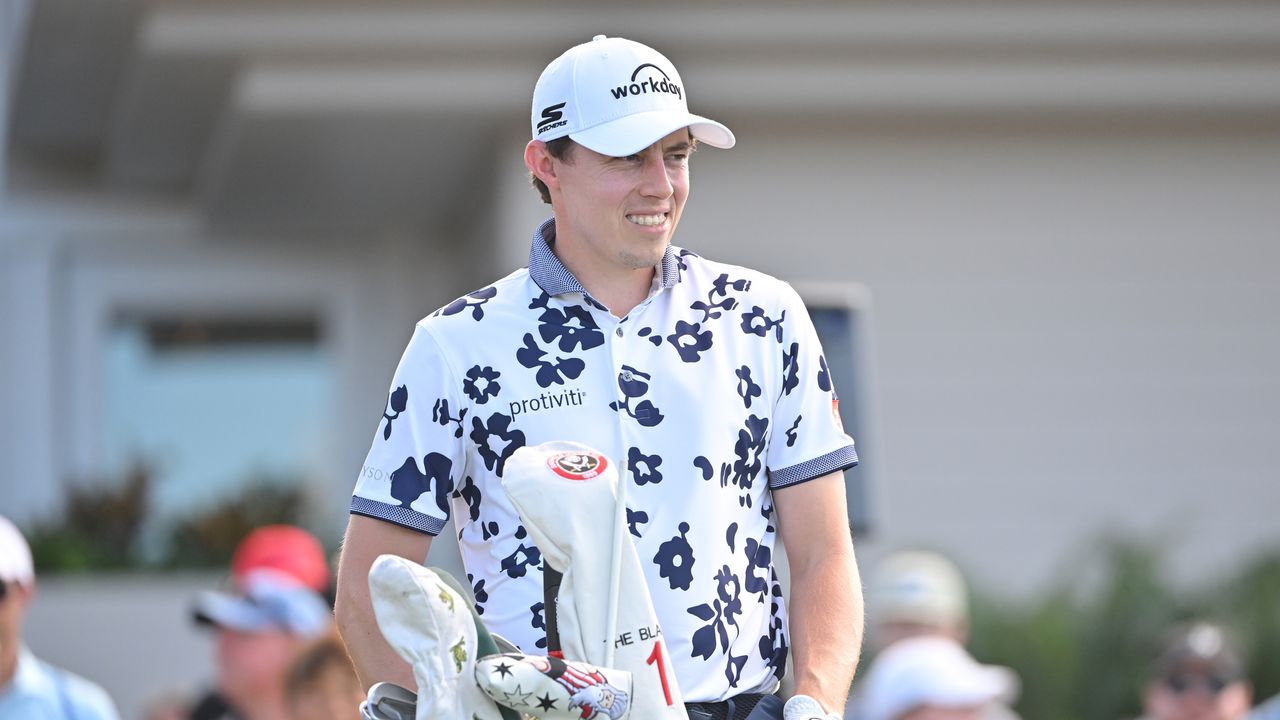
(409, 483)
(690, 340)
(675, 560)
(495, 440)
(636, 518)
(395, 405)
(440, 414)
(747, 389)
(475, 301)
(756, 322)
(553, 372)
(635, 384)
(481, 384)
(571, 328)
(644, 468)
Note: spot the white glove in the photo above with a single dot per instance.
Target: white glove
(803, 707)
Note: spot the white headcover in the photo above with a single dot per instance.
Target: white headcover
(429, 625)
(565, 495)
(549, 688)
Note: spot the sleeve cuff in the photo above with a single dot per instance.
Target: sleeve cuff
(836, 460)
(397, 515)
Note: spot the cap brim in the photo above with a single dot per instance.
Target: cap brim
(231, 612)
(630, 134)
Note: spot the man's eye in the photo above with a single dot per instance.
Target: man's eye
(632, 158)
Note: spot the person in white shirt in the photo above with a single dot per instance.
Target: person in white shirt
(31, 689)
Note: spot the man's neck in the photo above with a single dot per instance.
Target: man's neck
(8, 666)
(617, 288)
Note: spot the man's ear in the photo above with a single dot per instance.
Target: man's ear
(541, 164)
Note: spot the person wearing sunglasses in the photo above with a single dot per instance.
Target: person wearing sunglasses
(31, 689)
(1198, 675)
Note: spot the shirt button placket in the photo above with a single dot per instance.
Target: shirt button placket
(617, 351)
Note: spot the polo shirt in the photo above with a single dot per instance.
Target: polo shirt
(713, 392)
(40, 691)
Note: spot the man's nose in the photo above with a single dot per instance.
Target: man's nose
(656, 180)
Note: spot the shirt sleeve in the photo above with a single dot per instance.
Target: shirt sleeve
(808, 439)
(418, 453)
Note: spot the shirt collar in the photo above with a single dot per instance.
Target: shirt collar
(555, 279)
(27, 677)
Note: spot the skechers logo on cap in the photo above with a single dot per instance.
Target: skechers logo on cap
(647, 85)
(551, 118)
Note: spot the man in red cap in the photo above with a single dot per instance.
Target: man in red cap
(277, 604)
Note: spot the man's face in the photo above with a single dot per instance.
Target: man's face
(12, 607)
(1195, 693)
(620, 213)
(253, 664)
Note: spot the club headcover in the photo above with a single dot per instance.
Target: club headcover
(565, 494)
(554, 689)
(429, 624)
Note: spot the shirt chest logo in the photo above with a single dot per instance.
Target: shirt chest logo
(546, 401)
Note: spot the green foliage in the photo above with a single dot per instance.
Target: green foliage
(99, 526)
(102, 524)
(1084, 649)
(208, 539)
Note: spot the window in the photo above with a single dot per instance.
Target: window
(841, 316)
(213, 405)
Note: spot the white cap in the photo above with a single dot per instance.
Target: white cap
(15, 555)
(918, 587)
(616, 97)
(931, 671)
(271, 600)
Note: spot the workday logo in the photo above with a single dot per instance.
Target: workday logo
(655, 81)
(552, 117)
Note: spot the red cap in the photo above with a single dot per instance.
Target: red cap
(287, 549)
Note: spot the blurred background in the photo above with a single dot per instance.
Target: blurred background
(1041, 238)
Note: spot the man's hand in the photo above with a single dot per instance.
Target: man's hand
(803, 707)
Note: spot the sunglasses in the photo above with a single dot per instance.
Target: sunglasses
(1211, 684)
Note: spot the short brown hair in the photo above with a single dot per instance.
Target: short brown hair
(309, 668)
(559, 149)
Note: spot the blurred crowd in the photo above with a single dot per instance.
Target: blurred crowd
(277, 652)
(279, 657)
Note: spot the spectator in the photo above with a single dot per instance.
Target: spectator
(932, 678)
(917, 594)
(276, 607)
(919, 611)
(31, 689)
(289, 550)
(322, 683)
(1198, 675)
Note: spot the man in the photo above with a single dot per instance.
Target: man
(932, 678)
(922, 669)
(31, 689)
(704, 382)
(273, 611)
(1199, 675)
(917, 593)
